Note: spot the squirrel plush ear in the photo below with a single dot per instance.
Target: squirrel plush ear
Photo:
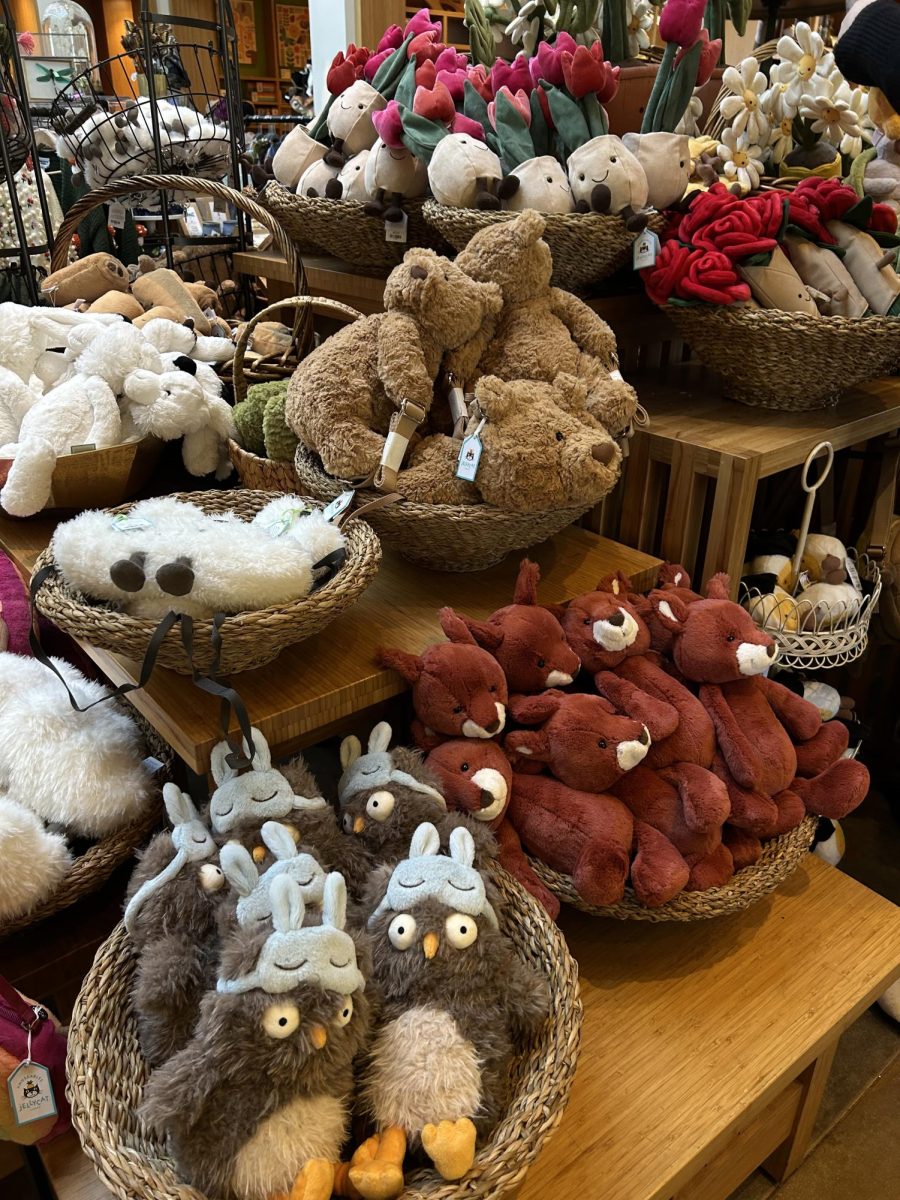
(380, 738)
(534, 710)
(238, 868)
(278, 839)
(671, 612)
(674, 574)
(488, 636)
(455, 628)
(462, 846)
(351, 749)
(334, 901)
(425, 842)
(526, 583)
(530, 743)
(179, 806)
(287, 904)
(407, 665)
(617, 584)
(719, 587)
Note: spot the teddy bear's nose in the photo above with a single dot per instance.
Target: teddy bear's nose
(176, 578)
(485, 800)
(494, 728)
(602, 452)
(617, 618)
(770, 650)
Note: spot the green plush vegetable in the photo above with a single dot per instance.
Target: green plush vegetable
(255, 426)
(280, 439)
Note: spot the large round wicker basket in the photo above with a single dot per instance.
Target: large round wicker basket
(344, 229)
(784, 360)
(780, 858)
(249, 639)
(586, 247)
(445, 537)
(106, 1073)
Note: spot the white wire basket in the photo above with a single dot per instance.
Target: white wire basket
(817, 635)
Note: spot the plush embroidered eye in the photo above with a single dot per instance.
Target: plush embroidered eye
(492, 688)
(542, 662)
(613, 159)
(347, 822)
(458, 708)
(402, 931)
(586, 621)
(211, 877)
(345, 1012)
(280, 1020)
(601, 742)
(464, 767)
(380, 805)
(549, 178)
(581, 176)
(730, 638)
(461, 931)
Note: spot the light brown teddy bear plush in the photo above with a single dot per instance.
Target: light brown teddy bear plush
(543, 330)
(541, 450)
(341, 398)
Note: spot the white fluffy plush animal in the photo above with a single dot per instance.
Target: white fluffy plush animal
(168, 555)
(26, 333)
(35, 861)
(80, 770)
(171, 338)
(175, 403)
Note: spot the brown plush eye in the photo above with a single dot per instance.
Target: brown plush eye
(542, 662)
(458, 708)
(601, 742)
(587, 620)
(581, 176)
(730, 638)
(560, 436)
(464, 767)
(492, 688)
(613, 159)
(681, 164)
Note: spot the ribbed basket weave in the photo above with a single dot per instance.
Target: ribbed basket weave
(343, 228)
(106, 1073)
(789, 361)
(780, 858)
(586, 247)
(249, 639)
(92, 869)
(445, 537)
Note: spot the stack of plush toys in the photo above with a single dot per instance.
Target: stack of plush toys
(290, 974)
(826, 592)
(92, 380)
(548, 399)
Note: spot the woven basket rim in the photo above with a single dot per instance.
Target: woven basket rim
(577, 220)
(804, 323)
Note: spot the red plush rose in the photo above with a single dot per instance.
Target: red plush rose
(805, 214)
(662, 279)
(706, 207)
(738, 234)
(883, 219)
(769, 206)
(711, 277)
(831, 197)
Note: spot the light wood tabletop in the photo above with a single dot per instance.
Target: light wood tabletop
(314, 685)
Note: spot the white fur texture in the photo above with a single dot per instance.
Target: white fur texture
(421, 1070)
(113, 354)
(81, 770)
(26, 333)
(35, 861)
(616, 637)
(753, 659)
(172, 404)
(309, 1127)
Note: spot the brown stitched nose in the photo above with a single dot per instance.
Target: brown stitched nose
(485, 799)
(176, 578)
(602, 452)
(770, 650)
(616, 619)
(418, 272)
(492, 728)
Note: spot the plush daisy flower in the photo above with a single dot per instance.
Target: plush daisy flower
(781, 140)
(829, 113)
(638, 23)
(741, 159)
(858, 100)
(742, 108)
(524, 28)
(690, 122)
(802, 56)
(775, 101)
(499, 13)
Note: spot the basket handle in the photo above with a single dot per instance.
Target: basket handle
(302, 305)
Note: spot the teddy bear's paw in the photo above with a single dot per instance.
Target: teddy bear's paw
(451, 1146)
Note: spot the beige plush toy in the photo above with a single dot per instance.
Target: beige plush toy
(607, 178)
(343, 395)
(350, 121)
(165, 288)
(777, 285)
(666, 159)
(122, 303)
(294, 155)
(85, 279)
(542, 330)
(824, 273)
(869, 264)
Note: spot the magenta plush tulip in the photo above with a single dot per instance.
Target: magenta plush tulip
(463, 124)
(547, 64)
(515, 75)
(421, 23)
(389, 124)
(680, 21)
(390, 39)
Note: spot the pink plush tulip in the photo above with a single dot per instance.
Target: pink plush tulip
(436, 104)
(389, 124)
(391, 39)
(547, 64)
(564, 41)
(370, 70)
(455, 83)
(446, 60)
(424, 46)
(463, 124)
(26, 42)
(519, 101)
(681, 21)
(515, 75)
(480, 80)
(426, 75)
(421, 23)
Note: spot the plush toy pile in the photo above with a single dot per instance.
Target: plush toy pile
(93, 380)
(826, 592)
(548, 400)
(666, 772)
(291, 975)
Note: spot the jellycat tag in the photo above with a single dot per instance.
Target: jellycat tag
(116, 218)
(31, 1093)
(395, 231)
(338, 506)
(126, 523)
(192, 221)
(470, 455)
(82, 447)
(646, 248)
(852, 573)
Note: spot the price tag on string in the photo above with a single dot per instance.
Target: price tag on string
(117, 215)
(193, 222)
(646, 249)
(470, 455)
(396, 231)
(31, 1091)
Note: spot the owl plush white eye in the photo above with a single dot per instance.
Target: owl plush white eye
(345, 1012)
(402, 931)
(211, 877)
(380, 805)
(461, 930)
(347, 822)
(280, 1020)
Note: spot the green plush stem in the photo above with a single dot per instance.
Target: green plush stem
(739, 11)
(659, 86)
(715, 19)
(406, 88)
(567, 117)
(596, 117)
(388, 74)
(317, 129)
(614, 31)
(681, 88)
(858, 170)
(540, 134)
(515, 141)
(420, 136)
(475, 105)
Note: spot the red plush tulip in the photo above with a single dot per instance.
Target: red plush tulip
(389, 124)
(424, 46)
(515, 75)
(564, 41)
(544, 101)
(710, 53)
(391, 39)
(519, 101)
(455, 83)
(480, 79)
(463, 124)
(681, 21)
(341, 74)
(426, 75)
(370, 70)
(359, 56)
(421, 23)
(436, 104)
(711, 277)
(547, 64)
(449, 60)
(587, 71)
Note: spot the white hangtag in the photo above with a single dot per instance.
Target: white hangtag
(152, 764)
(193, 222)
(339, 505)
(804, 581)
(31, 1093)
(126, 523)
(286, 520)
(117, 215)
(395, 231)
(470, 455)
(82, 447)
(646, 248)
(852, 573)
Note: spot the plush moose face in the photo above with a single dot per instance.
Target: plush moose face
(586, 745)
(476, 778)
(603, 627)
(714, 641)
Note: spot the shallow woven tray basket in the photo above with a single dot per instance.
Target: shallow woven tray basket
(342, 228)
(586, 247)
(249, 639)
(445, 537)
(790, 361)
(780, 858)
(97, 478)
(106, 1073)
(92, 869)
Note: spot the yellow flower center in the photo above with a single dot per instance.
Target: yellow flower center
(806, 66)
(787, 127)
(740, 158)
(751, 100)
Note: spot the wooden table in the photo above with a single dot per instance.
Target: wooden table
(316, 685)
(706, 1047)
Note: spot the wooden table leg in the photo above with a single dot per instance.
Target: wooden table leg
(684, 508)
(632, 529)
(793, 1150)
(732, 513)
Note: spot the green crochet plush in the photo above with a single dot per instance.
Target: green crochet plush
(260, 423)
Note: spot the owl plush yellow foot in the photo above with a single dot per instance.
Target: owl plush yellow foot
(315, 1182)
(377, 1167)
(451, 1146)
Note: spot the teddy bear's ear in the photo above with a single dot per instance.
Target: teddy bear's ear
(488, 636)
(555, 610)
(534, 710)
(529, 225)
(671, 611)
(142, 386)
(407, 665)
(491, 297)
(526, 582)
(719, 587)
(529, 743)
(495, 398)
(455, 628)
(617, 584)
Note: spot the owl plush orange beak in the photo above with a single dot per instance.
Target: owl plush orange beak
(430, 944)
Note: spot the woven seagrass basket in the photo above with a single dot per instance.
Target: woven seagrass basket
(249, 639)
(98, 478)
(780, 858)
(107, 1074)
(344, 229)
(789, 361)
(92, 868)
(445, 537)
(586, 247)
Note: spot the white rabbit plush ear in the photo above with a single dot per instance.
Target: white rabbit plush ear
(278, 839)
(287, 903)
(462, 846)
(350, 751)
(179, 805)
(262, 756)
(334, 901)
(239, 868)
(380, 738)
(425, 841)
(218, 764)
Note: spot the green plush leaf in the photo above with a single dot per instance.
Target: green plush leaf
(420, 135)
(757, 260)
(739, 12)
(858, 169)
(318, 129)
(890, 241)
(567, 117)
(475, 105)
(513, 137)
(540, 134)
(388, 74)
(681, 88)
(860, 214)
(615, 36)
(406, 88)
(659, 87)
(595, 114)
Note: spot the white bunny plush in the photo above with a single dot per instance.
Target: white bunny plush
(171, 338)
(26, 333)
(16, 398)
(171, 915)
(254, 908)
(35, 861)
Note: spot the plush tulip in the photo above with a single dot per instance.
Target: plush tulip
(480, 79)
(359, 56)
(391, 39)
(547, 64)
(424, 46)
(341, 74)
(463, 124)
(710, 53)
(421, 23)
(544, 101)
(449, 60)
(426, 75)
(519, 101)
(370, 70)
(515, 75)
(586, 71)
(680, 21)
(564, 41)
(455, 83)
(436, 104)
(389, 125)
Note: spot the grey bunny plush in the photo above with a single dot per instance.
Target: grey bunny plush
(256, 1105)
(171, 914)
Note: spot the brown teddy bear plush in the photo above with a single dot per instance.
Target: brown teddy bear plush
(342, 397)
(543, 330)
(541, 449)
